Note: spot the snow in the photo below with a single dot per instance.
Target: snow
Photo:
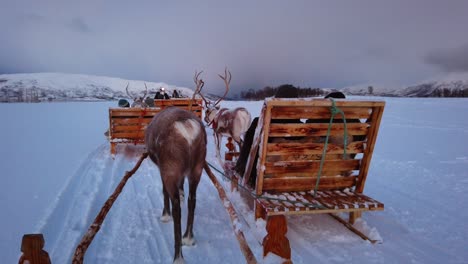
(57, 172)
(70, 82)
(73, 87)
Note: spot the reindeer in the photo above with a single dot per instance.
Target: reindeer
(138, 101)
(176, 143)
(225, 122)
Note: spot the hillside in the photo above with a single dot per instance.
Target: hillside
(74, 87)
(454, 85)
(41, 87)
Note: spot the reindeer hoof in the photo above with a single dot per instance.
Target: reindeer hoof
(179, 260)
(166, 218)
(188, 241)
(181, 196)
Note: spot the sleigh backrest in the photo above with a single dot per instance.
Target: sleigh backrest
(184, 103)
(128, 125)
(291, 137)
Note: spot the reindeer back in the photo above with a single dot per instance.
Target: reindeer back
(176, 138)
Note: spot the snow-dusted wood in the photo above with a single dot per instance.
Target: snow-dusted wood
(184, 103)
(290, 153)
(32, 247)
(128, 125)
(88, 237)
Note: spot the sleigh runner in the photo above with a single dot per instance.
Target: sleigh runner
(294, 178)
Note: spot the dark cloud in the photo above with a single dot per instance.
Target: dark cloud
(32, 17)
(264, 42)
(449, 60)
(79, 25)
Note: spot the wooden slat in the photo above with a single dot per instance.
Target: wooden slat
(299, 130)
(321, 113)
(140, 127)
(312, 148)
(307, 183)
(263, 147)
(372, 137)
(131, 121)
(258, 135)
(133, 112)
(177, 102)
(324, 202)
(313, 102)
(129, 135)
(308, 168)
(195, 108)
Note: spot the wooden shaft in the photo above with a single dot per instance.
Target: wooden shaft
(96, 225)
(248, 254)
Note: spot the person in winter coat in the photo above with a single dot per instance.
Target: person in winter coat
(284, 91)
(161, 94)
(175, 94)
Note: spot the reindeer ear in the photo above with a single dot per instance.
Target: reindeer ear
(217, 107)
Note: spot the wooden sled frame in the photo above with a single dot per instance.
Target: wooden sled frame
(128, 125)
(288, 163)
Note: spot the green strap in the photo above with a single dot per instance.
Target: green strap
(334, 110)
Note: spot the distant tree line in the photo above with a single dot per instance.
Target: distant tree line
(445, 92)
(269, 91)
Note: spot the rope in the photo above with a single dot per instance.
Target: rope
(334, 110)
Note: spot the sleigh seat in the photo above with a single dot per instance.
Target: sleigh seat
(293, 178)
(128, 125)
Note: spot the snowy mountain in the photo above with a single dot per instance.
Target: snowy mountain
(454, 85)
(372, 89)
(39, 87)
(74, 87)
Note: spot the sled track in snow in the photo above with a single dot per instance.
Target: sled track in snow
(132, 231)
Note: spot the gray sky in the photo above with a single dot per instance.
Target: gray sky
(305, 43)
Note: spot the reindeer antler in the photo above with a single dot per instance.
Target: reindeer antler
(227, 80)
(146, 90)
(199, 83)
(128, 93)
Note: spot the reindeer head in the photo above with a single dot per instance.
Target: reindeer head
(138, 101)
(213, 108)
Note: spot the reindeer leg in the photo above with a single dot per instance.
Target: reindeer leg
(218, 138)
(181, 192)
(166, 215)
(237, 139)
(188, 238)
(178, 257)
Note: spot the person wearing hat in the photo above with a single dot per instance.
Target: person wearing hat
(124, 103)
(161, 94)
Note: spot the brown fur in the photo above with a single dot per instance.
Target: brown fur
(178, 155)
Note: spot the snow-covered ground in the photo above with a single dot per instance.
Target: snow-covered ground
(57, 172)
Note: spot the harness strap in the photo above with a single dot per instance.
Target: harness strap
(214, 122)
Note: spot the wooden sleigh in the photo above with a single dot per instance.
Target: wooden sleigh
(128, 125)
(290, 177)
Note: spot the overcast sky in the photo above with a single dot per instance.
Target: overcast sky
(306, 43)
